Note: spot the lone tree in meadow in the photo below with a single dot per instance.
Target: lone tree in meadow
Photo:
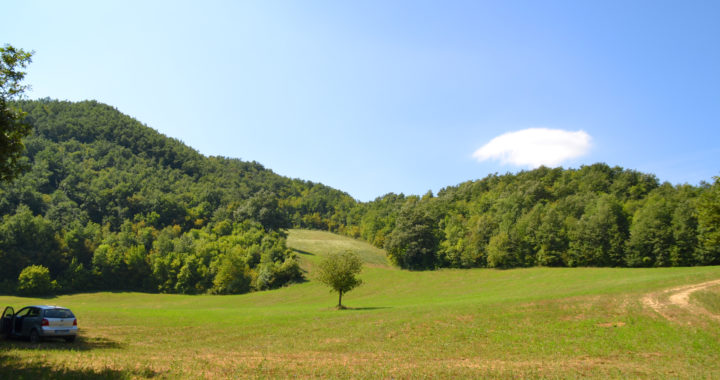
(338, 272)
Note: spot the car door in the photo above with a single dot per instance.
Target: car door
(6, 321)
(33, 319)
(19, 321)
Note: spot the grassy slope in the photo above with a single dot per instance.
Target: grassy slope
(539, 322)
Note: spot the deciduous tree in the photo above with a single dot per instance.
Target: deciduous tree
(709, 225)
(35, 281)
(12, 128)
(338, 271)
(414, 242)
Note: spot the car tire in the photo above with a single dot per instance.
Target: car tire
(70, 339)
(35, 336)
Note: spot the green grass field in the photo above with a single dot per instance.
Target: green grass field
(522, 323)
(709, 299)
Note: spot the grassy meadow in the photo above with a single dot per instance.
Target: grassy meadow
(480, 323)
(708, 299)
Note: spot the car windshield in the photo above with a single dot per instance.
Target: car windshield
(58, 313)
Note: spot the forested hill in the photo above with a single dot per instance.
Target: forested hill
(596, 215)
(108, 203)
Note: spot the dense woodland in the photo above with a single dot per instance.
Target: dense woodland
(107, 203)
(592, 216)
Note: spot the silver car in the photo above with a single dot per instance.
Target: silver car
(38, 322)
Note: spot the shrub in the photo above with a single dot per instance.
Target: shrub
(35, 281)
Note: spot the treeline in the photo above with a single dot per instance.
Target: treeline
(107, 203)
(593, 216)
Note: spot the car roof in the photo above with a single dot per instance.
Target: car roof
(47, 307)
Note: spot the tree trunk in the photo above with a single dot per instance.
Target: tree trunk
(340, 300)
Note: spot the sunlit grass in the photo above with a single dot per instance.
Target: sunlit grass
(538, 322)
(708, 299)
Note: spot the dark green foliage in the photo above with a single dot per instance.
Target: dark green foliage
(684, 228)
(413, 242)
(12, 127)
(110, 204)
(264, 208)
(651, 236)
(233, 276)
(25, 240)
(502, 252)
(599, 237)
(76, 278)
(374, 221)
(551, 238)
(596, 215)
(709, 225)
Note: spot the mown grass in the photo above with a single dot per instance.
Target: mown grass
(524, 323)
(708, 299)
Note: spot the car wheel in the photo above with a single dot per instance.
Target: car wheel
(70, 339)
(34, 336)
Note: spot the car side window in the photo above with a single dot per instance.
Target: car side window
(23, 312)
(34, 312)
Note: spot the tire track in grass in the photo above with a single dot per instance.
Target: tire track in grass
(680, 297)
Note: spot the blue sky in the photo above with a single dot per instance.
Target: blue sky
(374, 97)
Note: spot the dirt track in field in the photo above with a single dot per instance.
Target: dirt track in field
(679, 297)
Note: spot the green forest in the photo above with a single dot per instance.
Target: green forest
(596, 215)
(110, 204)
(107, 203)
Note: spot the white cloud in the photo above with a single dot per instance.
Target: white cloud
(534, 147)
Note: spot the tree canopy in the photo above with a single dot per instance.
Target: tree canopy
(12, 127)
(595, 215)
(106, 197)
(35, 281)
(339, 271)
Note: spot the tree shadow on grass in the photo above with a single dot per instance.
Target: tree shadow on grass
(80, 344)
(35, 297)
(362, 308)
(303, 270)
(16, 367)
(300, 251)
